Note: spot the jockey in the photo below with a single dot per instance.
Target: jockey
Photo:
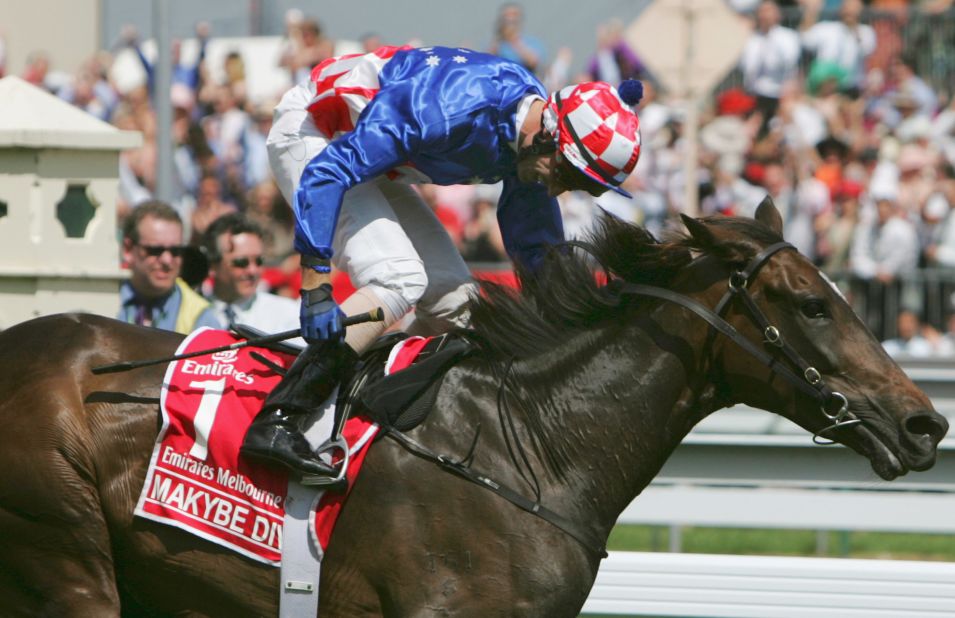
(344, 146)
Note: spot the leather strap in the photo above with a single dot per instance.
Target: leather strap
(584, 537)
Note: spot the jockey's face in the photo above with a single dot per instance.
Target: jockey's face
(236, 276)
(152, 263)
(555, 173)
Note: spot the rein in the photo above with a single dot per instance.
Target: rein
(833, 404)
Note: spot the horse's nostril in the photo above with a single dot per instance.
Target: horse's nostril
(932, 426)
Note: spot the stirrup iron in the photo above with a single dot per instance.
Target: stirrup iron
(314, 480)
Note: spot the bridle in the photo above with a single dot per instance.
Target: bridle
(799, 373)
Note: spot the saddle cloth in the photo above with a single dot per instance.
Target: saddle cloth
(196, 479)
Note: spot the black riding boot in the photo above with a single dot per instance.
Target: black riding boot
(275, 435)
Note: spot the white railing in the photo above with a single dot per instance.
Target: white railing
(710, 586)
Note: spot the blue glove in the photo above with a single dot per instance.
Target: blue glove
(320, 315)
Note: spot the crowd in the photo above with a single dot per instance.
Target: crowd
(831, 111)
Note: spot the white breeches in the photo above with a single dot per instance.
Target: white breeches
(387, 238)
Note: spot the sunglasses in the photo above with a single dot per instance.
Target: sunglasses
(243, 262)
(157, 250)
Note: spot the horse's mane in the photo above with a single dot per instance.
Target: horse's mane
(568, 295)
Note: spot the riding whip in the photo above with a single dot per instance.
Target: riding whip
(375, 315)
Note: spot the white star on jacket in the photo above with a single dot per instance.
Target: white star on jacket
(433, 61)
(460, 59)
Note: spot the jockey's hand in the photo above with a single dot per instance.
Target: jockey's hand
(321, 318)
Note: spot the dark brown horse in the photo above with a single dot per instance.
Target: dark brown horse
(580, 391)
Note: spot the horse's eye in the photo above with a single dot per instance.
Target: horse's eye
(814, 308)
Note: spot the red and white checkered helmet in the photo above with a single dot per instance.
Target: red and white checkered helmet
(596, 129)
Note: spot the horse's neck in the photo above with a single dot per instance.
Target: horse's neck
(620, 408)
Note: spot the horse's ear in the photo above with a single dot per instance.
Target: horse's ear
(720, 242)
(768, 215)
(698, 230)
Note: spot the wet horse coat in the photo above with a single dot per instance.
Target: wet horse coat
(578, 390)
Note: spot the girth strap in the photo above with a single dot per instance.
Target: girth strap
(584, 537)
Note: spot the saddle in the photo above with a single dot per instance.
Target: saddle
(402, 400)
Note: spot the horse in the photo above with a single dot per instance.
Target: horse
(580, 388)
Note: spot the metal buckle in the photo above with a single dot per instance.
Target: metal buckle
(813, 376)
(772, 336)
(737, 281)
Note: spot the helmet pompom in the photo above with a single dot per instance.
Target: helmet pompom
(630, 91)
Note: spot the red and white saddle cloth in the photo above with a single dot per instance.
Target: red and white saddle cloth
(196, 480)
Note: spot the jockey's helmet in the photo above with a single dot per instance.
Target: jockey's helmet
(596, 129)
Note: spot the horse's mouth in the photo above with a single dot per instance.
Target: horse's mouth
(885, 462)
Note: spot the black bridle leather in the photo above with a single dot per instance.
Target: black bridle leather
(807, 378)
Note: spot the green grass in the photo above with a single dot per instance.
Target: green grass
(787, 543)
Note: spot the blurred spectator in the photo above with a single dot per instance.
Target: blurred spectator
(225, 130)
(511, 42)
(189, 148)
(614, 60)
(154, 295)
(91, 90)
(811, 200)
(255, 156)
(731, 132)
(234, 247)
(832, 156)
(909, 343)
(931, 223)
(769, 59)
(727, 192)
(555, 77)
(943, 132)
(840, 46)
(188, 75)
(887, 247)
(233, 67)
(916, 165)
(268, 209)
(37, 71)
(836, 227)
(482, 240)
(291, 41)
(801, 125)
(370, 41)
(941, 252)
(307, 46)
(209, 206)
(911, 88)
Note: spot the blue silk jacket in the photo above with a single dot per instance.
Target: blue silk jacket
(450, 115)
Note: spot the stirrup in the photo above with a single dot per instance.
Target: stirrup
(314, 480)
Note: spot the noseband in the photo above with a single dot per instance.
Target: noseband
(806, 378)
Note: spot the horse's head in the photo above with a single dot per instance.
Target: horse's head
(833, 377)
